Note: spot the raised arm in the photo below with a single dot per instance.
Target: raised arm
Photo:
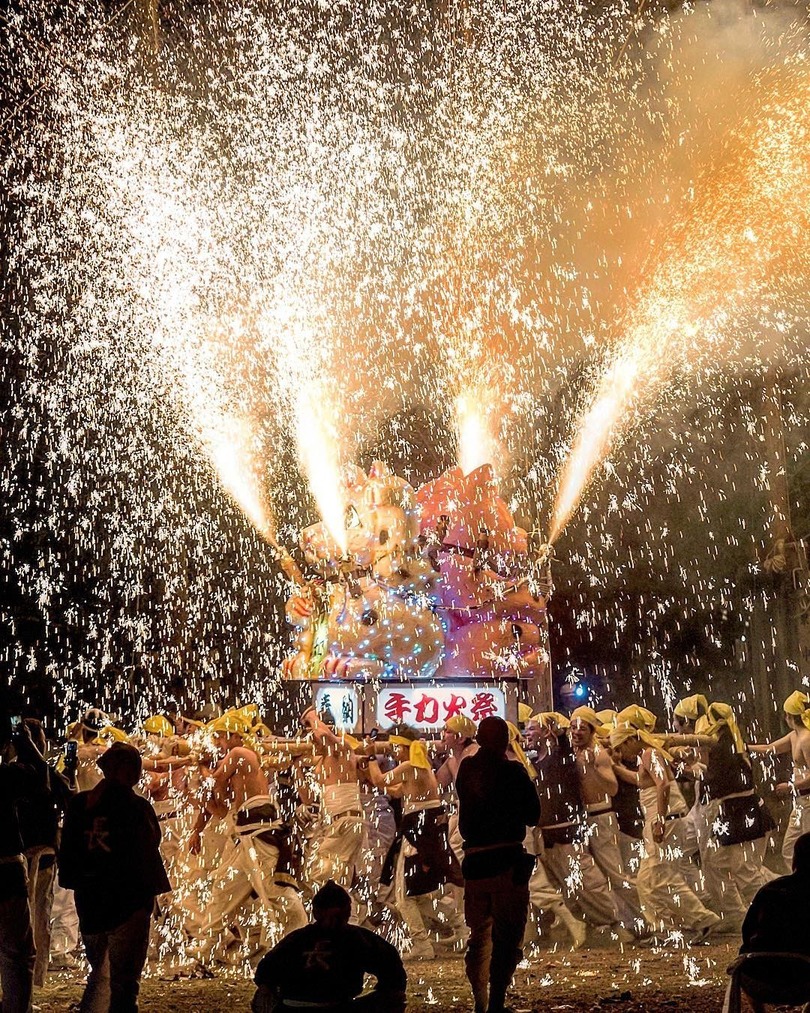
(777, 747)
(392, 782)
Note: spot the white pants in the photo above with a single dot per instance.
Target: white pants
(583, 887)
(334, 851)
(603, 844)
(409, 908)
(64, 922)
(667, 900)
(454, 836)
(41, 875)
(248, 865)
(798, 824)
(733, 872)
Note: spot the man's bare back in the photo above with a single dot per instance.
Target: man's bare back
(238, 777)
(797, 743)
(336, 762)
(415, 786)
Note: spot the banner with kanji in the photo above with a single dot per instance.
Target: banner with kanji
(431, 706)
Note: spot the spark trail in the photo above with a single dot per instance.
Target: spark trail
(739, 250)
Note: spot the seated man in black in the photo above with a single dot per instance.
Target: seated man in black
(778, 921)
(323, 965)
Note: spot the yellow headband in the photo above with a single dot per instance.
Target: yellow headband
(249, 714)
(524, 713)
(231, 722)
(590, 717)
(517, 749)
(548, 718)
(638, 717)
(720, 715)
(692, 707)
(158, 725)
(796, 706)
(110, 734)
(621, 733)
(461, 726)
(608, 717)
(417, 755)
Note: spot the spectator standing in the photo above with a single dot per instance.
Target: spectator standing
(17, 781)
(110, 858)
(39, 814)
(497, 801)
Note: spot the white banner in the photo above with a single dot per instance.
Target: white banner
(338, 705)
(431, 706)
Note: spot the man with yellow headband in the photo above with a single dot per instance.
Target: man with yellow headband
(254, 859)
(598, 785)
(564, 853)
(420, 860)
(797, 743)
(334, 850)
(458, 739)
(730, 819)
(548, 749)
(667, 899)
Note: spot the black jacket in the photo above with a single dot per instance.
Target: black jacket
(497, 800)
(778, 920)
(110, 856)
(316, 964)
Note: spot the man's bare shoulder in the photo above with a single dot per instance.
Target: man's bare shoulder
(239, 755)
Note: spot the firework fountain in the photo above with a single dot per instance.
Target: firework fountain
(233, 260)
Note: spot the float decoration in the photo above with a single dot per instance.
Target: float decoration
(435, 584)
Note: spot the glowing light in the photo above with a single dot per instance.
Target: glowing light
(320, 456)
(743, 240)
(476, 421)
(229, 448)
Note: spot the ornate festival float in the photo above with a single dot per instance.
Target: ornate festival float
(429, 603)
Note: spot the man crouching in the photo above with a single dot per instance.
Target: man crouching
(323, 965)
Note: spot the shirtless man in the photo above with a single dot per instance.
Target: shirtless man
(336, 845)
(422, 834)
(598, 785)
(540, 736)
(458, 741)
(797, 743)
(667, 899)
(238, 794)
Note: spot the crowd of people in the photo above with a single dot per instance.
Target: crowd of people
(198, 845)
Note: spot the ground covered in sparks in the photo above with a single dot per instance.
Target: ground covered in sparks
(638, 980)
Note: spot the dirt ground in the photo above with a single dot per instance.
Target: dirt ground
(637, 980)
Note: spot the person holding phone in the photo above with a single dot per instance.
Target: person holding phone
(18, 780)
(40, 814)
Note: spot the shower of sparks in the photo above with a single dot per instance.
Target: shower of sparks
(273, 247)
(718, 275)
